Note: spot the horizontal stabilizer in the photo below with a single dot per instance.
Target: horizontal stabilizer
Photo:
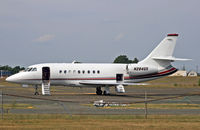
(109, 83)
(170, 58)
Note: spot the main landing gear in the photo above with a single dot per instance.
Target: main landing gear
(98, 91)
(36, 90)
(105, 92)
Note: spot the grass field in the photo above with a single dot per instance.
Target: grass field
(100, 122)
(175, 82)
(4, 83)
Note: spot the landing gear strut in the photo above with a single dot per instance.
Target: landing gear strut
(36, 90)
(106, 91)
(98, 91)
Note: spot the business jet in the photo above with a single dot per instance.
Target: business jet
(156, 65)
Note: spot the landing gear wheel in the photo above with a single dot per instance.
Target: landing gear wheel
(36, 93)
(98, 91)
(106, 91)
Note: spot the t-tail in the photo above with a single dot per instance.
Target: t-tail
(162, 56)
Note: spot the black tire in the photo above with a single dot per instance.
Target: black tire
(36, 93)
(99, 92)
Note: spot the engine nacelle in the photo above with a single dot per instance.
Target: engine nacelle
(120, 89)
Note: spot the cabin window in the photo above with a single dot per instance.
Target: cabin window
(83, 71)
(93, 71)
(79, 71)
(65, 71)
(69, 71)
(98, 71)
(88, 71)
(74, 71)
(60, 71)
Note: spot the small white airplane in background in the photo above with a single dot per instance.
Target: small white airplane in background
(156, 65)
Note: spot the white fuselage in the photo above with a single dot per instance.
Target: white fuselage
(72, 74)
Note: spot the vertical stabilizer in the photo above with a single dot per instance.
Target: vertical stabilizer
(158, 57)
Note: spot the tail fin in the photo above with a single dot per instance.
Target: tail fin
(161, 56)
(166, 47)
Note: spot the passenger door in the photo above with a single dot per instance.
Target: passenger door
(119, 77)
(45, 73)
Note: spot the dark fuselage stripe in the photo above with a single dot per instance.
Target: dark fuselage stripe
(164, 73)
(157, 75)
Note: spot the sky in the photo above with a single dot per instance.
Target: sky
(96, 31)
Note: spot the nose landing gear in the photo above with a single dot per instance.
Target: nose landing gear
(36, 90)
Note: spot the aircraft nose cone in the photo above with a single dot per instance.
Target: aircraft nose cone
(12, 78)
(9, 79)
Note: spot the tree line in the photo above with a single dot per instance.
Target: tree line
(125, 59)
(13, 70)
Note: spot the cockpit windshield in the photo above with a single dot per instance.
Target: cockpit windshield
(34, 69)
(30, 69)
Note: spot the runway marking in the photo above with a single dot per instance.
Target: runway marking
(154, 106)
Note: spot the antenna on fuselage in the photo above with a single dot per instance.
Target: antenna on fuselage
(75, 62)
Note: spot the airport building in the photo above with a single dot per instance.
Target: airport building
(5, 73)
(185, 73)
(192, 73)
(180, 73)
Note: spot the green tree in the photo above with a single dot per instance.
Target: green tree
(124, 59)
(6, 68)
(14, 70)
(135, 60)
